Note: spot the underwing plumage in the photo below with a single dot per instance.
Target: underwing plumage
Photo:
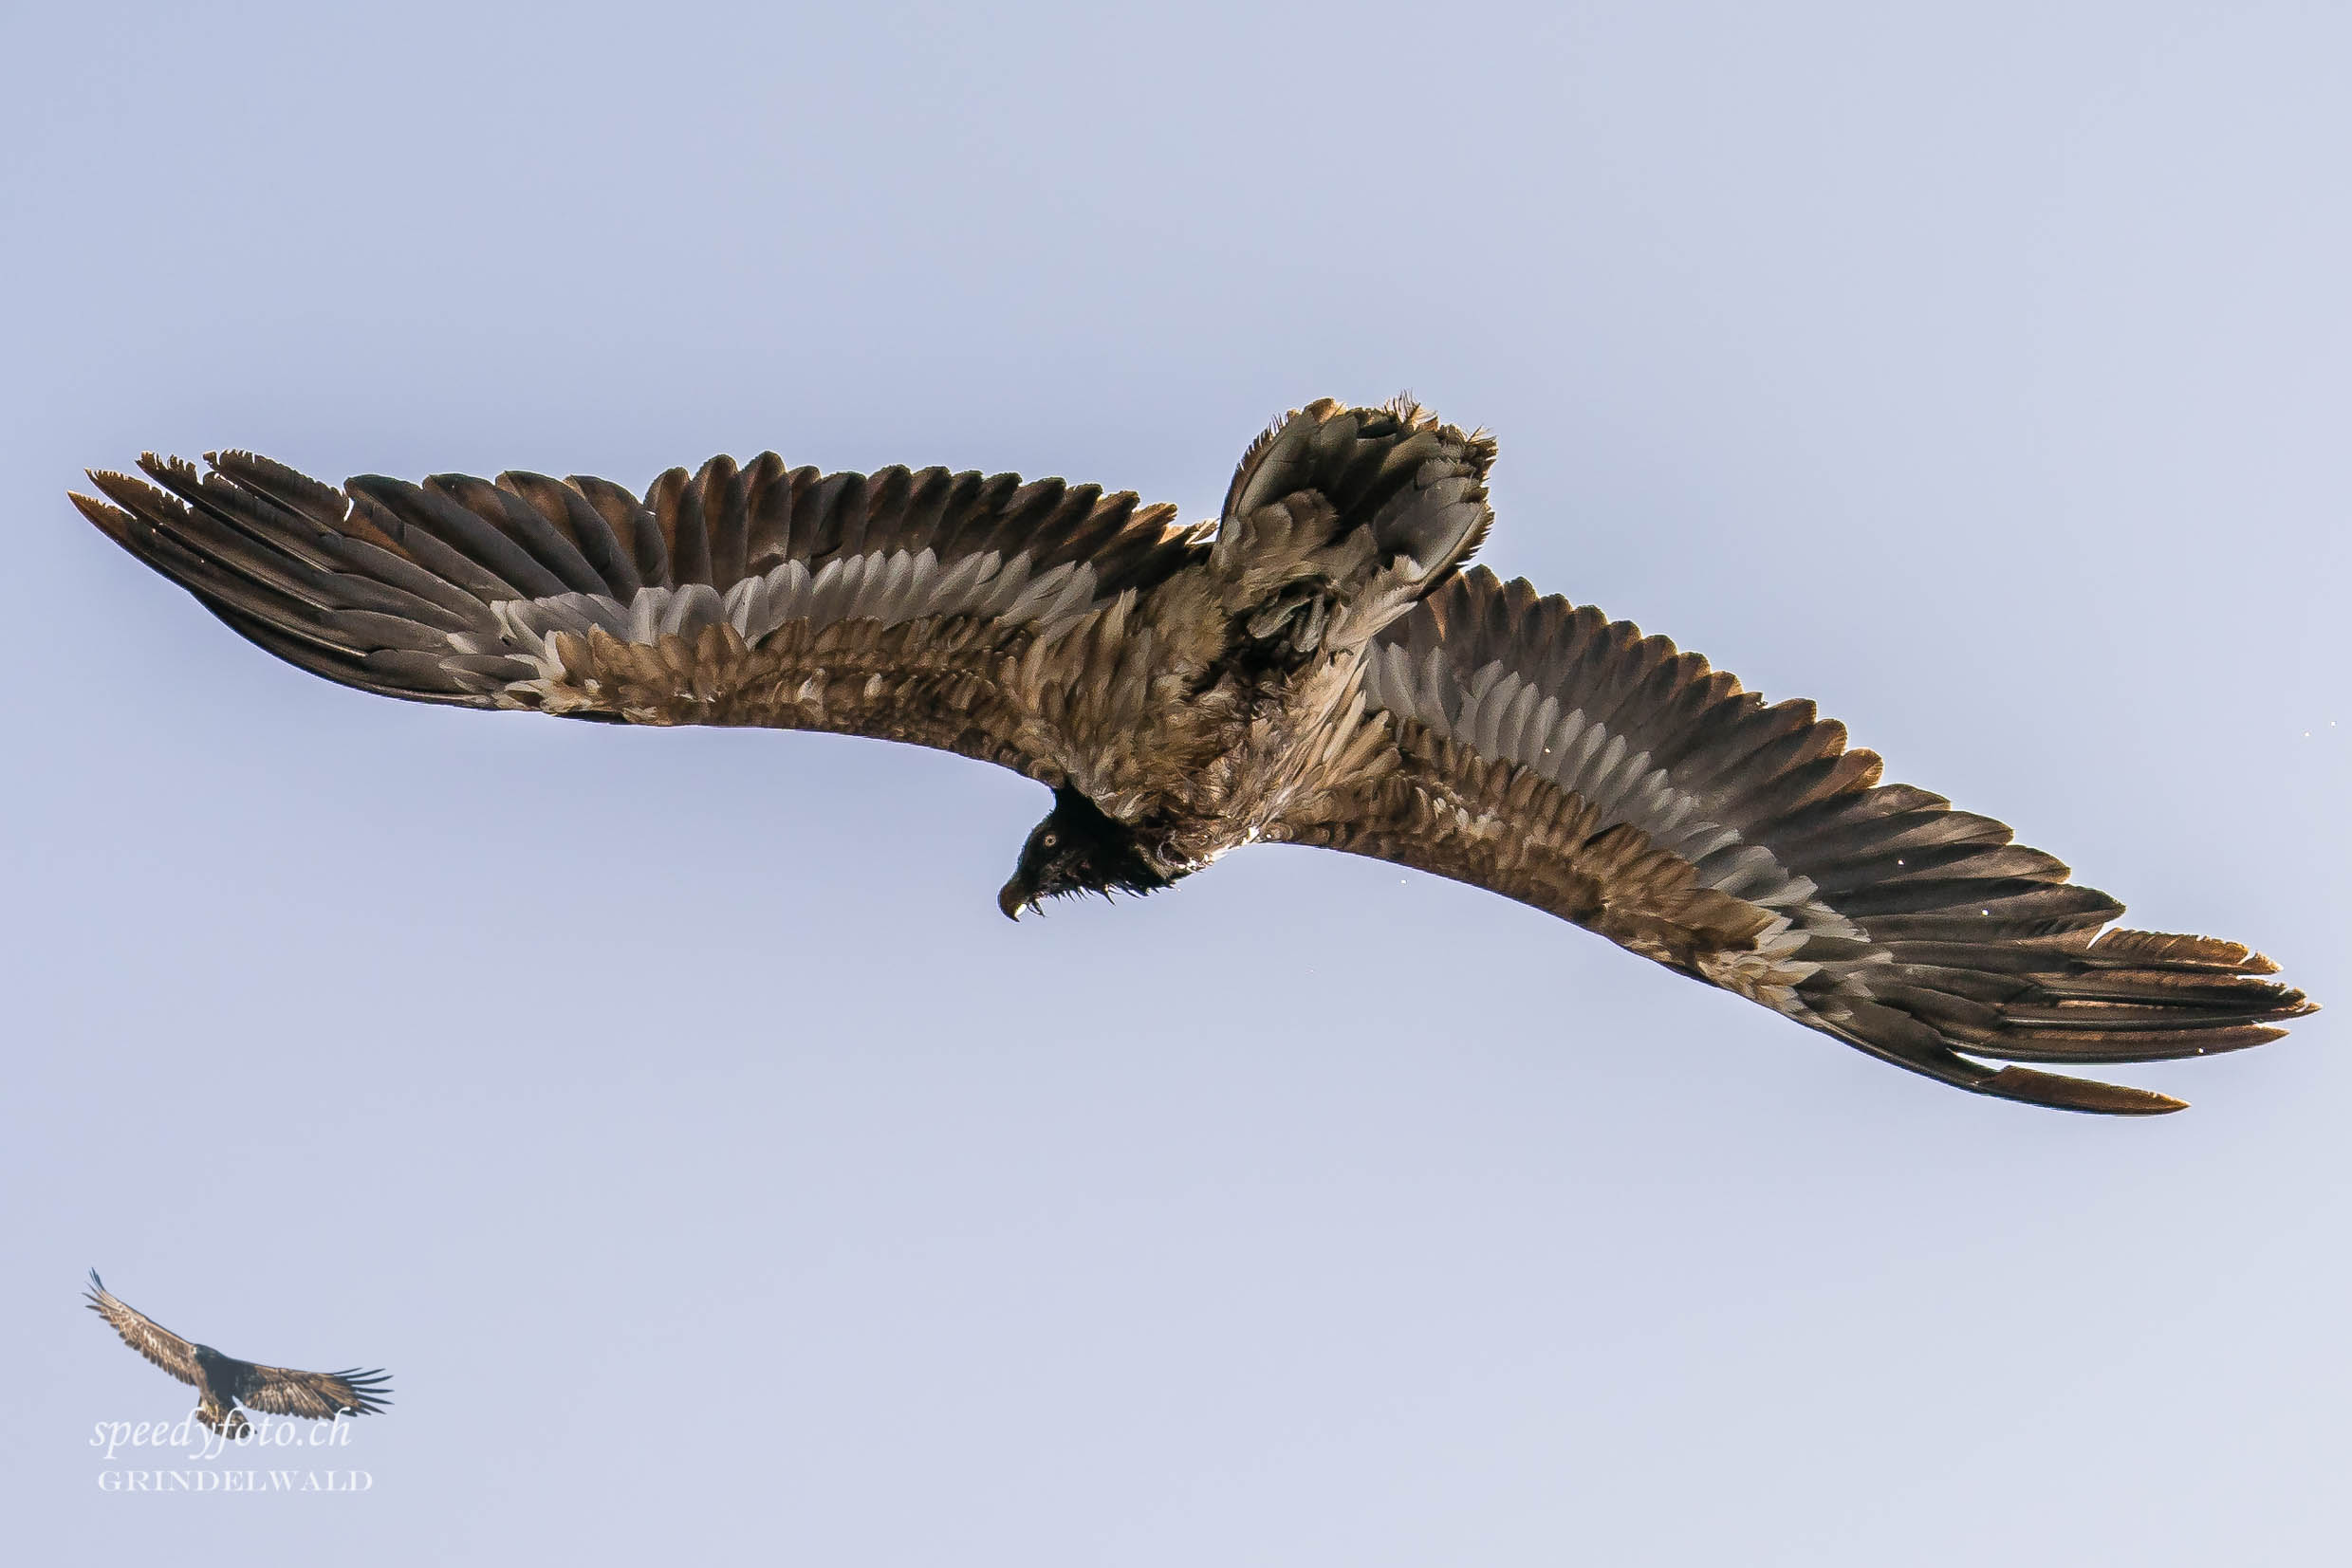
(1317, 666)
(223, 1382)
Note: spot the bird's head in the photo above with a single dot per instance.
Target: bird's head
(1078, 848)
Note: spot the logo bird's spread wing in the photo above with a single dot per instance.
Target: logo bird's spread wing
(281, 1390)
(1572, 763)
(143, 1334)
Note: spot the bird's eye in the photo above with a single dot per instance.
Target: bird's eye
(1050, 840)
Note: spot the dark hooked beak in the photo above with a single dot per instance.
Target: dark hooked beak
(1012, 898)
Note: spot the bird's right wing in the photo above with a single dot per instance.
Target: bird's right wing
(143, 1334)
(1541, 750)
(971, 615)
(281, 1390)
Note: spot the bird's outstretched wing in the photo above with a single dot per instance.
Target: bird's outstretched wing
(281, 1390)
(1574, 765)
(896, 604)
(143, 1334)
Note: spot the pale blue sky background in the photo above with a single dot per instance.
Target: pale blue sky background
(718, 1173)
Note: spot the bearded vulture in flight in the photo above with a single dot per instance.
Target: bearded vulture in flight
(1314, 668)
(223, 1382)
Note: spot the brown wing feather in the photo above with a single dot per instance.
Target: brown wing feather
(891, 605)
(1567, 760)
(143, 1334)
(281, 1390)
(1438, 806)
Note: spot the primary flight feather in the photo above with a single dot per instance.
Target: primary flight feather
(1316, 668)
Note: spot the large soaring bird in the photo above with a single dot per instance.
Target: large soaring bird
(1314, 668)
(223, 1382)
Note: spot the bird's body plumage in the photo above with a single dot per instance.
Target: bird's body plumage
(1315, 667)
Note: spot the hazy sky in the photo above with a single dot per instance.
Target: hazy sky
(718, 1173)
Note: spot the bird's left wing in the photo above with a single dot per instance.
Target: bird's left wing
(1563, 760)
(143, 1334)
(281, 1390)
(948, 610)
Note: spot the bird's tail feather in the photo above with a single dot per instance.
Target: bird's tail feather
(226, 1419)
(1419, 485)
